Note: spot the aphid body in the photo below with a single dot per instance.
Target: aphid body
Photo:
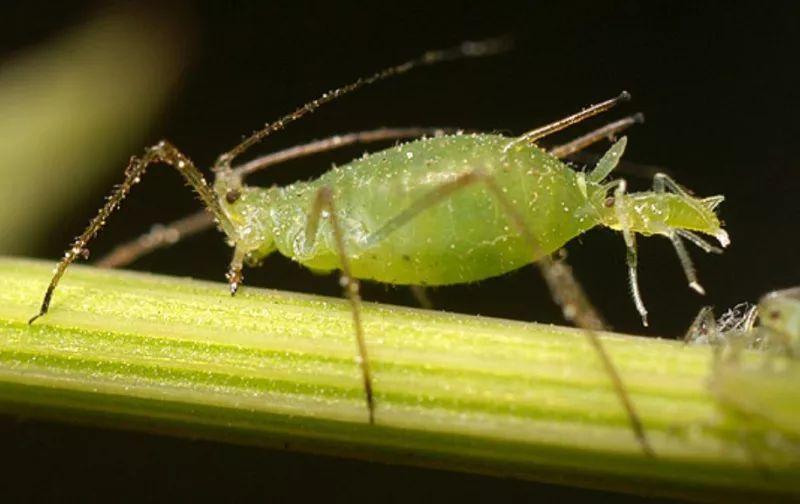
(465, 238)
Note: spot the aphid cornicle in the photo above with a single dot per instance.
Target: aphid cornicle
(441, 210)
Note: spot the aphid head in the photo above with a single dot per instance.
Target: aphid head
(249, 217)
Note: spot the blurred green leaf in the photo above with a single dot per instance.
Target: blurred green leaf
(72, 107)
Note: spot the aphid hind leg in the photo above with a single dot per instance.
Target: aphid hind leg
(163, 152)
(566, 291)
(324, 202)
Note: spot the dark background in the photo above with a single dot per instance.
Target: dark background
(718, 83)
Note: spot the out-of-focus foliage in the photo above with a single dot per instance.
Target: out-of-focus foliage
(71, 107)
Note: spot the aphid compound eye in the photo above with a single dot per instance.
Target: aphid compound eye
(233, 195)
(609, 202)
(773, 315)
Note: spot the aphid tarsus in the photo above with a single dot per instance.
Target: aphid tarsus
(458, 206)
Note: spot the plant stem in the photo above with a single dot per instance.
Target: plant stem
(457, 392)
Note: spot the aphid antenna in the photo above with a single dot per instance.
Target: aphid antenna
(467, 49)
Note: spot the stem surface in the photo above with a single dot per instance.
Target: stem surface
(458, 392)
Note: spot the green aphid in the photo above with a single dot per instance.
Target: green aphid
(443, 210)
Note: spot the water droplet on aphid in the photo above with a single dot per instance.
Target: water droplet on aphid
(409, 155)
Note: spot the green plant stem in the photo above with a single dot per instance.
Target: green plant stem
(457, 392)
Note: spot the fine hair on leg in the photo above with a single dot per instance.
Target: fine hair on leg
(166, 235)
(163, 152)
(576, 307)
(324, 202)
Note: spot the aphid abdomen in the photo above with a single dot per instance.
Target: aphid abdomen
(467, 237)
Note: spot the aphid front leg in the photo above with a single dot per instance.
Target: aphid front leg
(622, 212)
(324, 203)
(163, 152)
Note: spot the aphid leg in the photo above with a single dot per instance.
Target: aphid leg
(698, 241)
(549, 129)
(631, 258)
(577, 308)
(234, 274)
(420, 294)
(324, 202)
(467, 49)
(609, 131)
(163, 152)
(566, 290)
(686, 263)
(662, 182)
(161, 236)
(568, 294)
